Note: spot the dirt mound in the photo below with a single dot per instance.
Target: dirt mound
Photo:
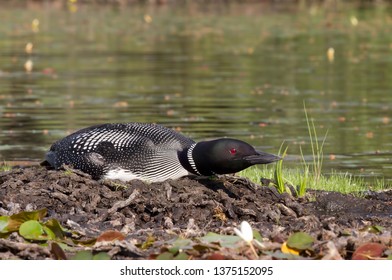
(189, 208)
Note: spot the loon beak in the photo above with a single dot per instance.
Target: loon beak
(262, 158)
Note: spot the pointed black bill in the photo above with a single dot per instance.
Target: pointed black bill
(262, 158)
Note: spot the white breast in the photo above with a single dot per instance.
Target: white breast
(122, 174)
(126, 175)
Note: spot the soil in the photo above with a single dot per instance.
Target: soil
(154, 214)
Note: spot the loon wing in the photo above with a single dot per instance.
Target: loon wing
(131, 146)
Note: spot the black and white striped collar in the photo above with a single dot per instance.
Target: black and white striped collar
(190, 159)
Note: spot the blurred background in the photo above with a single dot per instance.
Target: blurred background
(209, 69)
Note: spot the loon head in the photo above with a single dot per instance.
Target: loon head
(226, 155)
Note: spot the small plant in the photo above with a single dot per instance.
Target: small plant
(317, 148)
(5, 167)
(303, 183)
(308, 174)
(278, 175)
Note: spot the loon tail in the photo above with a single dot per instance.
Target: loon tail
(50, 160)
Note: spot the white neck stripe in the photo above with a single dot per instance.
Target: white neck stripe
(190, 159)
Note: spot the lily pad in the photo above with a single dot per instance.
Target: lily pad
(17, 220)
(3, 224)
(32, 230)
(56, 228)
(165, 256)
(50, 235)
(4, 232)
(179, 244)
(182, 256)
(300, 241)
(101, 256)
(228, 241)
(83, 255)
(257, 235)
(88, 255)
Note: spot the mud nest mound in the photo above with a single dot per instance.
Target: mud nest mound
(190, 208)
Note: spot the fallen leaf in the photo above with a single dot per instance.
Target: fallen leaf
(48, 71)
(35, 25)
(369, 251)
(288, 250)
(331, 54)
(29, 48)
(263, 124)
(120, 104)
(369, 135)
(57, 252)
(17, 219)
(216, 256)
(28, 65)
(342, 119)
(354, 21)
(110, 235)
(147, 18)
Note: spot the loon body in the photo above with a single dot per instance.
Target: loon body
(150, 152)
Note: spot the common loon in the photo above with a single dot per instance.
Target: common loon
(150, 152)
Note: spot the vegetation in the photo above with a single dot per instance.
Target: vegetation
(316, 147)
(33, 228)
(311, 176)
(5, 167)
(303, 179)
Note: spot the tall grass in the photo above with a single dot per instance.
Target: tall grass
(310, 176)
(317, 149)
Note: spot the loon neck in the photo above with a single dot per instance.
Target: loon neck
(187, 160)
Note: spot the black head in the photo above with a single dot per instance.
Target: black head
(225, 155)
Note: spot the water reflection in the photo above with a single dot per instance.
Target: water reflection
(228, 72)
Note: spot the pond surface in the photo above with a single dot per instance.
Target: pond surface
(243, 71)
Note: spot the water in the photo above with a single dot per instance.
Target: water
(242, 71)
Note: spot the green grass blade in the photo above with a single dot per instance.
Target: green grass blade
(278, 174)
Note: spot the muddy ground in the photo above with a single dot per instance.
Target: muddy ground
(190, 208)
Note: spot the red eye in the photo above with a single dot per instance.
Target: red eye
(233, 151)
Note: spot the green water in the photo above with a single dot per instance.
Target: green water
(242, 71)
